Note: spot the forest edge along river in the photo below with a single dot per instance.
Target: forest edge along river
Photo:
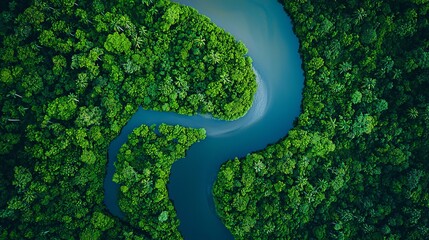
(266, 30)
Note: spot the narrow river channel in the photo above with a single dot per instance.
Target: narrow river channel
(266, 30)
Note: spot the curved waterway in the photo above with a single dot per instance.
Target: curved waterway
(265, 29)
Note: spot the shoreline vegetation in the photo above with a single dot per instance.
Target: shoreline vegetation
(72, 74)
(355, 164)
(133, 190)
(143, 170)
(354, 167)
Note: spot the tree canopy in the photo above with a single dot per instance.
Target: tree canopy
(355, 164)
(143, 169)
(72, 73)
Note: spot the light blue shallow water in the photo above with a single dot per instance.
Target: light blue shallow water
(265, 29)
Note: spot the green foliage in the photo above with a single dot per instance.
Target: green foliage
(101, 221)
(143, 169)
(117, 43)
(72, 73)
(163, 216)
(22, 178)
(368, 35)
(171, 16)
(62, 108)
(89, 116)
(354, 166)
(6, 76)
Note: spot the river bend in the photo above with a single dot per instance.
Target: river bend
(266, 30)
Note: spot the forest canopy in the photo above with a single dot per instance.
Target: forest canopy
(72, 74)
(355, 166)
(143, 170)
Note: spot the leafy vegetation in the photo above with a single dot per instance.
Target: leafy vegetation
(143, 169)
(355, 165)
(72, 73)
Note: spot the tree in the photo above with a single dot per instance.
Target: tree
(215, 57)
(117, 43)
(22, 177)
(368, 35)
(89, 116)
(61, 108)
(356, 97)
(163, 216)
(363, 124)
(316, 63)
(101, 221)
(59, 64)
(88, 157)
(171, 16)
(7, 142)
(413, 113)
(6, 76)
(345, 67)
(360, 15)
(200, 41)
(138, 41)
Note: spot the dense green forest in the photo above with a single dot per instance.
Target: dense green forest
(355, 166)
(72, 73)
(143, 170)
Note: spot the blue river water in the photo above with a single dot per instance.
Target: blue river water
(266, 30)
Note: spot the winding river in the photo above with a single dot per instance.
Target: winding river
(265, 29)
